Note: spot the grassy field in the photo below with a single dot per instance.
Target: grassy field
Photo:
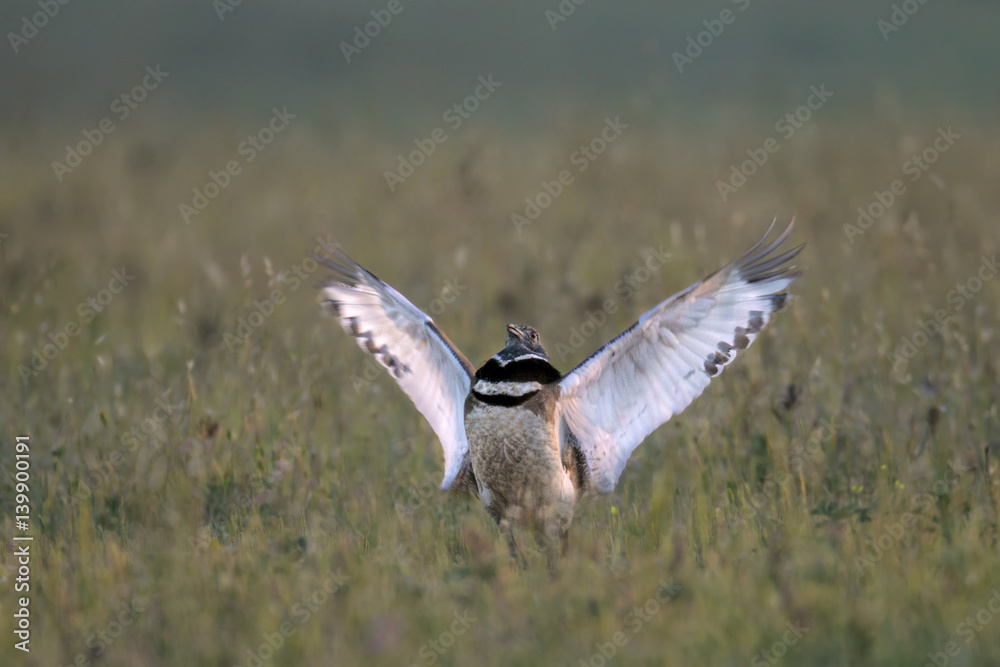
(218, 476)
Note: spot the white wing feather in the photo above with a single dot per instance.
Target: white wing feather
(425, 364)
(652, 371)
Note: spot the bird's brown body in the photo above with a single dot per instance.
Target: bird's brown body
(520, 476)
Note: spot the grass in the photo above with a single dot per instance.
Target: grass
(278, 481)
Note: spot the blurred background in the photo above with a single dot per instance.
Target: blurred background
(494, 162)
(236, 60)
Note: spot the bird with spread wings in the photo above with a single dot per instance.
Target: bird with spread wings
(593, 417)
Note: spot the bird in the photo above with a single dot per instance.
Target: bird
(530, 442)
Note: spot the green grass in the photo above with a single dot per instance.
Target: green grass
(274, 472)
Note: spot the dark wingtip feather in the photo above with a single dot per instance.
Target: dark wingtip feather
(766, 266)
(756, 265)
(344, 270)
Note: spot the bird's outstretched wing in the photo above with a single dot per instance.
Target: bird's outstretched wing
(425, 364)
(652, 371)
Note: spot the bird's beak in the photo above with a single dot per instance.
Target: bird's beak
(511, 329)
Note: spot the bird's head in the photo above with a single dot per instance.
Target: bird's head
(522, 339)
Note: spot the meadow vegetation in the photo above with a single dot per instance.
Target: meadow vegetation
(213, 460)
